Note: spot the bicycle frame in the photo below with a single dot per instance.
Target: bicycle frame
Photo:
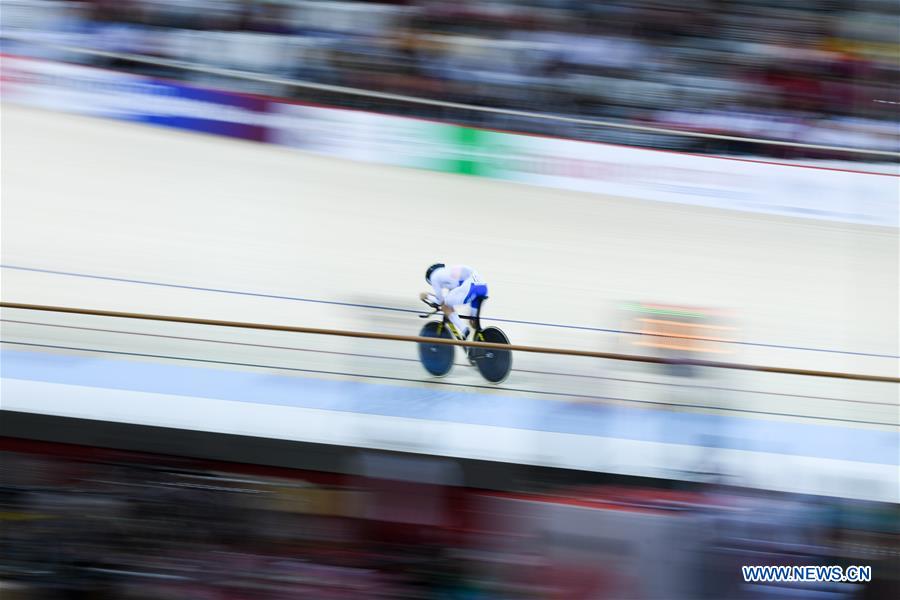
(475, 319)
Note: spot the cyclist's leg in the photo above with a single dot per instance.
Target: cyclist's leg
(457, 297)
(461, 330)
(477, 293)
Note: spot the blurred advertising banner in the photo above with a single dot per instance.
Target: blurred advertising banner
(104, 93)
(816, 192)
(729, 183)
(363, 136)
(718, 182)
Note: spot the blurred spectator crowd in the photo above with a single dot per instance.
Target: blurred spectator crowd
(114, 525)
(808, 71)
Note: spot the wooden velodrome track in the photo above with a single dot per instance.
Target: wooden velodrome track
(122, 217)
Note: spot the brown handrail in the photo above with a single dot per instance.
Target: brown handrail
(449, 342)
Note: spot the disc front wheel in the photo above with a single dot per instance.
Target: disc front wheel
(436, 358)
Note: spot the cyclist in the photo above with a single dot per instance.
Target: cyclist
(456, 285)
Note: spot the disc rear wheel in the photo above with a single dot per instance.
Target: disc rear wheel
(494, 365)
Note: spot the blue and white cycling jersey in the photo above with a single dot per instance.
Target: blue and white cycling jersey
(455, 285)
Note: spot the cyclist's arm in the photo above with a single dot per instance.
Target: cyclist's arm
(438, 292)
